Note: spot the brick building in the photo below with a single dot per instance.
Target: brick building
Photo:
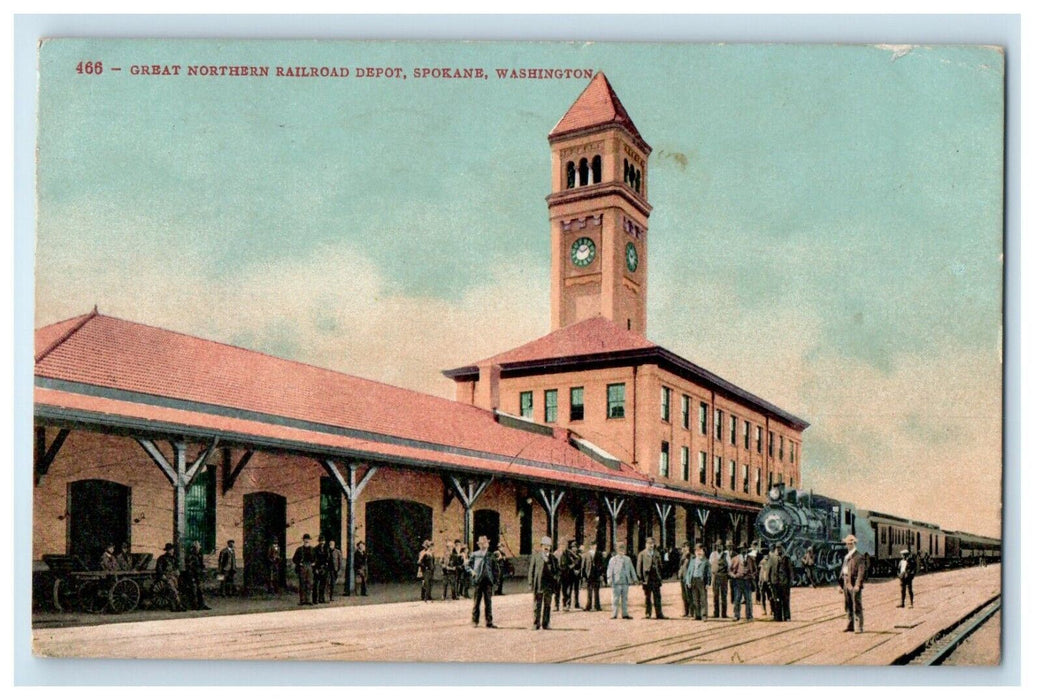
(145, 435)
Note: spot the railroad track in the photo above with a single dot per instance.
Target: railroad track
(937, 649)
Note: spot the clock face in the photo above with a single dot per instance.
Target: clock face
(631, 257)
(583, 252)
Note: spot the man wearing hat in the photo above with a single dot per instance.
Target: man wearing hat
(543, 576)
(166, 577)
(781, 574)
(226, 567)
(304, 563)
(719, 566)
(649, 571)
(482, 568)
(620, 576)
(907, 568)
(851, 581)
(743, 577)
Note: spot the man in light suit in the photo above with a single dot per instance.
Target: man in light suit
(906, 571)
(621, 575)
(543, 577)
(851, 581)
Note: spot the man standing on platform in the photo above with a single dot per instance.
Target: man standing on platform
(695, 577)
(649, 571)
(685, 592)
(570, 564)
(808, 566)
(319, 571)
(361, 569)
(781, 575)
(274, 566)
(620, 575)
(482, 568)
(591, 573)
(195, 570)
(226, 567)
(304, 564)
(334, 562)
(906, 571)
(851, 581)
(543, 575)
(743, 576)
(719, 568)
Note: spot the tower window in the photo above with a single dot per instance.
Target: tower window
(595, 169)
(570, 172)
(584, 173)
(577, 407)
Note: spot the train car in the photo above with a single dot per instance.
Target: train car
(964, 549)
(894, 534)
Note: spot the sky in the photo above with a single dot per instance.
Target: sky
(826, 232)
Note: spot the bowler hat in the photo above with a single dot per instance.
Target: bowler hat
(167, 547)
(306, 537)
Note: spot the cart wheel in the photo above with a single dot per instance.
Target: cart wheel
(124, 596)
(93, 597)
(63, 595)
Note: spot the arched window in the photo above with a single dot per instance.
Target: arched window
(570, 170)
(626, 170)
(584, 172)
(596, 168)
(636, 181)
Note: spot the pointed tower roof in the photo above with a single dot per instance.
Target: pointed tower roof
(598, 105)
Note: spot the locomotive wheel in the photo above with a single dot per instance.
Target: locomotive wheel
(93, 597)
(124, 596)
(63, 595)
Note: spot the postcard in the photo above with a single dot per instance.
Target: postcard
(597, 353)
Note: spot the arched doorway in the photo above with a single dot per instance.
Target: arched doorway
(486, 522)
(99, 515)
(263, 519)
(394, 532)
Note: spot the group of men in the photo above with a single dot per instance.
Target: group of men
(318, 569)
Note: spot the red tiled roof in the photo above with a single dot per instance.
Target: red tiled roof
(598, 105)
(587, 337)
(132, 357)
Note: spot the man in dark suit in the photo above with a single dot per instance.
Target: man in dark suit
(592, 570)
(543, 577)
(482, 569)
(780, 573)
(649, 571)
(851, 581)
(907, 568)
(226, 567)
(685, 592)
(334, 562)
(570, 564)
(320, 571)
(304, 564)
(361, 568)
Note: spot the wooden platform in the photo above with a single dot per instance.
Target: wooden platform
(441, 631)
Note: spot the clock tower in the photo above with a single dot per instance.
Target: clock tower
(598, 213)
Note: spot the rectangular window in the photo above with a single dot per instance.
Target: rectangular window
(781, 447)
(703, 418)
(745, 433)
(577, 406)
(718, 467)
(719, 424)
(526, 404)
(733, 475)
(759, 440)
(734, 430)
(329, 509)
(702, 456)
(770, 479)
(770, 444)
(667, 399)
(758, 481)
(792, 452)
(663, 460)
(745, 478)
(685, 412)
(201, 510)
(550, 405)
(616, 400)
(685, 463)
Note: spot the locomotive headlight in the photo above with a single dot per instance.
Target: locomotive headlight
(774, 524)
(775, 493)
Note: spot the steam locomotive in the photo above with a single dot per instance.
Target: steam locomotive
(802, 520)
